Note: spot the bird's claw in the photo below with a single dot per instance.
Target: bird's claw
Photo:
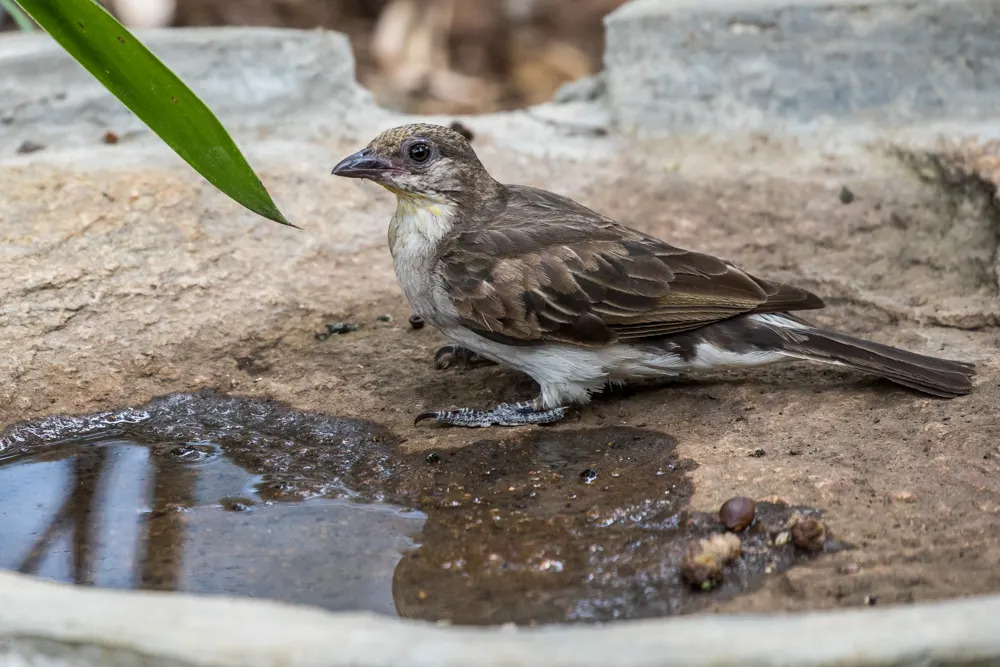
(505, 414)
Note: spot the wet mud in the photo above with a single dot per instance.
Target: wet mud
(217, 494)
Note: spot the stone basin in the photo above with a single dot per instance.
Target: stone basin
(124, 277)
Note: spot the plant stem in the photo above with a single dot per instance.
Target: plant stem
(16, 13)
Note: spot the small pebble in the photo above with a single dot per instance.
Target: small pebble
(757, 453)
(340, 328)
(737, 513)
(384, 318)
(110, 137)
(237, 504)
(416, 322)
(433, 457)
(589, 476)
(29, 147)
(846, 196)
(809, 534)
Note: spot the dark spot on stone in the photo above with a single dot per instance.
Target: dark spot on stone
(589, 476)
(433, 457)
(29, 147)
(846, 196)
(737, 513)
(757, 453)
(462, 129)
(7, 120)
(794, 452)
(416, 322)
(251, 366)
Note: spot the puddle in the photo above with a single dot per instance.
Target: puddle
(180, 496)
(214, 494)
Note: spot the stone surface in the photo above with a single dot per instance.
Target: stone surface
(124, 276)
(676, 66)
(46, 97)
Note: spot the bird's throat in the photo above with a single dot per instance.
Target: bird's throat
(418, 225)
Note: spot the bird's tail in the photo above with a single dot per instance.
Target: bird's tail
(938, 377)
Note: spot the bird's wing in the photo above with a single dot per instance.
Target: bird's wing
(550, 270)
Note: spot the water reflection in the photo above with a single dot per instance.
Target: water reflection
(120, 514)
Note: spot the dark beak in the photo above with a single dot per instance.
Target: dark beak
(363, 164)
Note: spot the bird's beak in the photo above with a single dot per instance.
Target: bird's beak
(363, 164)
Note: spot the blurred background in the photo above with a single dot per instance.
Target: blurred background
(423, 56)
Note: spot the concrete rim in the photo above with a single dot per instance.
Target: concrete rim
(220, 631)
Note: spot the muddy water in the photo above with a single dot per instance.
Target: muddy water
(215, 494)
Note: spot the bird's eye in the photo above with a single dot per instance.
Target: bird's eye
(419, 152)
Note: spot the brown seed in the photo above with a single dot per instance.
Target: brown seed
(809, 534)
(737, 513)
(701, 572)
(702, 565)
(416, 322)
(110, 137)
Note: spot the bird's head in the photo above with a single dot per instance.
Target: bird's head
(420, 162)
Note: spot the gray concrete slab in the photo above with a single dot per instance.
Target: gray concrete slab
(794, 66)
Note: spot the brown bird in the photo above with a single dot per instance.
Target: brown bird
(537, 282)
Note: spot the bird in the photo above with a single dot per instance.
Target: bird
(535, 281)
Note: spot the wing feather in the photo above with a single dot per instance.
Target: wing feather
(547, 269)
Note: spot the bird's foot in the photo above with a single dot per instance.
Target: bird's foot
(451, 355)
(505, 414)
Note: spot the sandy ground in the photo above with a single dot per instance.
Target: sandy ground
(126, 281)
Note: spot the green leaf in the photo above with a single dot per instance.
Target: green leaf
(16, 13)
(153, 93)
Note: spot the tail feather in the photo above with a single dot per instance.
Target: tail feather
(938, 377)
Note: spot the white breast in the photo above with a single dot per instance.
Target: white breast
(414, 233)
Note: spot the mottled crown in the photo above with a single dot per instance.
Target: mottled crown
(450, 143)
